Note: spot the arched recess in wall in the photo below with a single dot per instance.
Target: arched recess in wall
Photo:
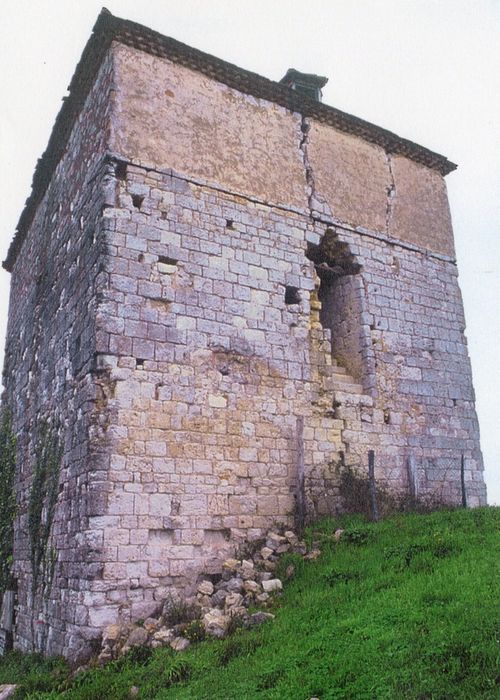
(341, 294)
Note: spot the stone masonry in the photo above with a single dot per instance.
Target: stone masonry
(218, 282)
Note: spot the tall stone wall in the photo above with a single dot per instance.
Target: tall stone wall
(48, 378)
(209, 367)
(416, 367)
(213, 286)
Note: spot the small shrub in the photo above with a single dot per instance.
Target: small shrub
(140, 655)
(270, 680)
(177, 611)
(247, 550)
(236, 622)
(357, 536)
(402, 554)
(433, 598)
(334, 577)
(287, 560)
(179, 671)
(354, 491)
(237, 646)
(424, 550)
(195, 631)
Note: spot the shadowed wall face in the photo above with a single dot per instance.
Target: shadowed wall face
(50, 380)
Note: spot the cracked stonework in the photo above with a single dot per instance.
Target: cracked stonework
(305, 126)
(317, 205)
(391, 193)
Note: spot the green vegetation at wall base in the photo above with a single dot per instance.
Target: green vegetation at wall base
(402, 609)
(8, 504)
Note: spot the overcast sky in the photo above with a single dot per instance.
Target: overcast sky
(427, 69)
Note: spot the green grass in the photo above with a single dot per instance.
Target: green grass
(406, 609)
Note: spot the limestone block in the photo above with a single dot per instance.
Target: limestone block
(103, 616)
(120, 503)
(272, 585)
(137, 637)
(159, 504)
(179, 643)
(215, 623)
(217, 401)
(159, 569)
(205, 588)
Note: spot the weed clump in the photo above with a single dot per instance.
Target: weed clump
(237, 646)
(334, 577)
(177, 611)
(195, 631)
(358, 536)
(178, 672)
(8, 504)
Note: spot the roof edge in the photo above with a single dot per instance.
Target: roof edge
(109, 28)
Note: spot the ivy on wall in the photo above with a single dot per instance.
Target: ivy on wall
(42, 504)
(8, 503)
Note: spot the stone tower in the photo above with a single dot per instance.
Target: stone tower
(220, 285)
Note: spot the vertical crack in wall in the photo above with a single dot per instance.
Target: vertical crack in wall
(305, 126)
(391, 193)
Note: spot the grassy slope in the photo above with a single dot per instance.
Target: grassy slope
(404, 609)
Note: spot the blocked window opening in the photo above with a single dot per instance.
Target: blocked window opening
(139, 362)
(292, 295)
(137, 200)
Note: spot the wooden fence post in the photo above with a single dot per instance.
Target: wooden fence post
(371, 478)
(7, 621)
(462, 481)
(300, 506)
(411, 470)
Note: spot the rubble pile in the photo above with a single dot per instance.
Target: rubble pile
(220, 605)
